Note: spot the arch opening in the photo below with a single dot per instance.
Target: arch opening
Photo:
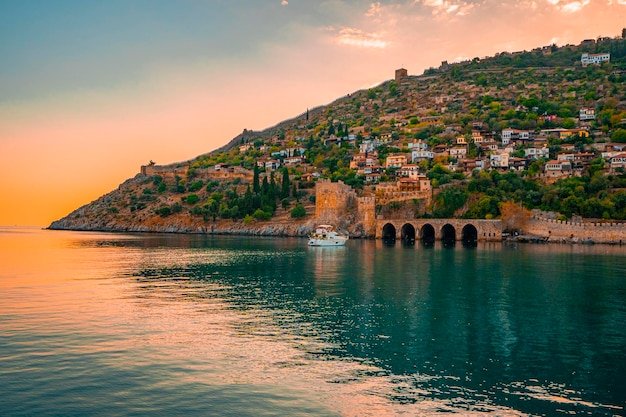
(389, 233)
(448, 235)
(469, 235)
(427, 235)
(408, 234)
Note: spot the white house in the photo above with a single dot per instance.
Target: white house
(594, 59)
(368, 146)
(272, 164)
(458, 151)
(418, 155)
(587, 114)
(618, 161)
(418, 145)
(293, 160)
(509, 134)
(536, 153)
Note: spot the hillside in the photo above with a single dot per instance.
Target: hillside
(534, 128)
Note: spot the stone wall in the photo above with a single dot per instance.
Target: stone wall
(165, 171)
(171, 171)
(366, 208)
(557, 230)
(332, 201)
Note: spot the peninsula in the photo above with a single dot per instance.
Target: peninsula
(530, 143)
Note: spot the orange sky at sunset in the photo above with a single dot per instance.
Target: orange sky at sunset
(89, 91)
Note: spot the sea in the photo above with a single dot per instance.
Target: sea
(112, 324)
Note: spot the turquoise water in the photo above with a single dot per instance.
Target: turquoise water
(116, 324)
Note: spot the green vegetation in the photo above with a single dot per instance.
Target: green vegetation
(533, 90)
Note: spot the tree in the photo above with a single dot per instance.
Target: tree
(285, 187)
(192, 199)
(256, 186)
(298, 211)
(514, 216)
(619, 136)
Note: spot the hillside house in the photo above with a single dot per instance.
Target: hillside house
(469, 165)
(441, 150)
(417, 184)
(296, 151)
(587, 114)
(409, 171)
(477, 136)
(293, 160)
(536, 153)
(558, 169)
(358, 161)
(499, 161)
(618, 161)
(491, 146)
(517, 164)
(594, 59)
(419, 145)
(547, 118)
(272, 164)
(396, 160)
(243, 148)
(584, 158)
(372, 178)
(368, 145)
(460, 140)
(563, 134)
(509, 135)
(418, 156)
(458, 151)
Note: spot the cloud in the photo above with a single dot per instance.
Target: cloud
(284, 2)
(361, 39)
(449, 7)
(374, 10)
(572, 6)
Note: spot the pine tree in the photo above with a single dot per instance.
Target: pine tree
(256, 187)
(284, 193)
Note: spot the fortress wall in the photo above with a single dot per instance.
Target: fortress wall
(332, 200)
(170, 172)
(166, 171)
(366, 207)
(556, 229)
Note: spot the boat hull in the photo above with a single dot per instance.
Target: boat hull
(328, 242)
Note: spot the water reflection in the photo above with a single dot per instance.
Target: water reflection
(367, 329)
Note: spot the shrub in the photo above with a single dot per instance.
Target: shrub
(195, 186)
(192, 199)
(298, 211)
(163, 211)
(261, 215)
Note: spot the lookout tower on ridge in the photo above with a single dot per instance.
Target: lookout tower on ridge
(401, 73)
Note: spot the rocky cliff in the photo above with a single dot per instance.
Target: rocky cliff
(130, 208)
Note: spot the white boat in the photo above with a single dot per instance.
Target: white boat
(325, 235)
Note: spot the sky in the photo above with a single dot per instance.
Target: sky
(90, 90)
